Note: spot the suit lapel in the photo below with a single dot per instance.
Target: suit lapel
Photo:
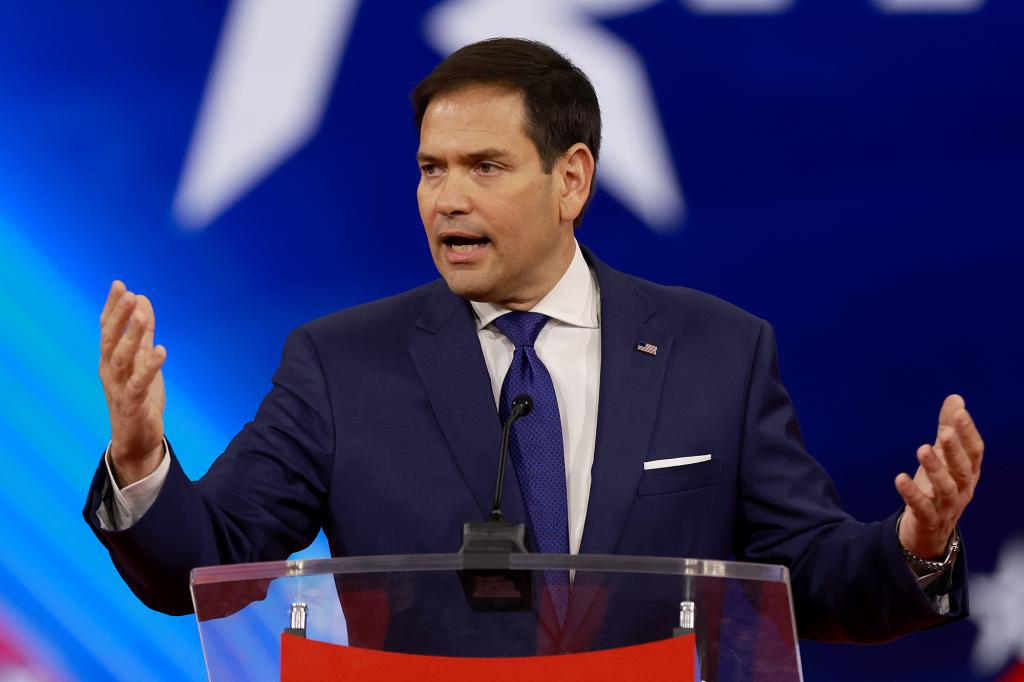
(630, 394)
(446, 352)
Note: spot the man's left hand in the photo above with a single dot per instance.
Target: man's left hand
(944, 482)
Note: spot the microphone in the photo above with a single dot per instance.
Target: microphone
(487, 579)
(522, 404)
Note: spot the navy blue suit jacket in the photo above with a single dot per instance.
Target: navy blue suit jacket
(381, 427)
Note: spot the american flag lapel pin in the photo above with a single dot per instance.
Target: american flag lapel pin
(648, 348)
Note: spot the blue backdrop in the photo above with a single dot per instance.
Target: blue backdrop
(848, 170)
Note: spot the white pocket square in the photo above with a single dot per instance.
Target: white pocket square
(675, 461)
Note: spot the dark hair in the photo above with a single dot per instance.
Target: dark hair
(560, 103)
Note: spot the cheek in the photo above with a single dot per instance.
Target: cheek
(544, 198)
(531, 206)
(425, 204)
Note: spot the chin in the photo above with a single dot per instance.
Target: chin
(468, 286)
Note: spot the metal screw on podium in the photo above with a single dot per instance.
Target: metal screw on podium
(298, 620)
(687, 615)
(688, 626)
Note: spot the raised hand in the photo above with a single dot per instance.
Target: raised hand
(944, 483)
(130, 369)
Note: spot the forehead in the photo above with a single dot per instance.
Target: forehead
(479, 115)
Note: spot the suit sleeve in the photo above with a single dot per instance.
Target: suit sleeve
(849, 580)
(262, 499)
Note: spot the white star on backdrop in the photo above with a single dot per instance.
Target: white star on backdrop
(276, 62)
(997, 608)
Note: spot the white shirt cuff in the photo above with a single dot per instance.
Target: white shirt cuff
(939, 602)
(132, 501)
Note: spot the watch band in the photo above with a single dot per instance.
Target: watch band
(931, 565)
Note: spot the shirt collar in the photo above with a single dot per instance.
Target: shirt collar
(573, 300)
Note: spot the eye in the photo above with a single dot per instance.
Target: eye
(487, 168)
(429, 169)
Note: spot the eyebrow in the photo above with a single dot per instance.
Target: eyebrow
(478, 155)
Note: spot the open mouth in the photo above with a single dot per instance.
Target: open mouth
(460, 244)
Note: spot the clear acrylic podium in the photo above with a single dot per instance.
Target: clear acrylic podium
(739, 615)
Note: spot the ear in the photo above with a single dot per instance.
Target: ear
(576, 168)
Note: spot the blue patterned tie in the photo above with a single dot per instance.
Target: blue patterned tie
(535, 447)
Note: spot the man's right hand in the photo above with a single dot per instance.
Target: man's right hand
(133, 384)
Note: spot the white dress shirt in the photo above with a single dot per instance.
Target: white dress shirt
(569, 345)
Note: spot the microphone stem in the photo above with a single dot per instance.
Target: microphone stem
(517, 411)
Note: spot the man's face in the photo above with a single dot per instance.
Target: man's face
(490, 212)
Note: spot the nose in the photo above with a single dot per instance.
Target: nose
(452, 199)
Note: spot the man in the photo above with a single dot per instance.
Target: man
(661, 426)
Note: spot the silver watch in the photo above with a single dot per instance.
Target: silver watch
(930, 565)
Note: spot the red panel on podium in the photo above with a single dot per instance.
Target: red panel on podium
(308, 660)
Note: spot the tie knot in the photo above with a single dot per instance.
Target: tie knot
(520, 327)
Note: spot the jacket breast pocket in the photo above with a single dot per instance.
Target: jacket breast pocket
(679, 478)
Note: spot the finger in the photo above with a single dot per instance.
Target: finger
(916, 500)
(122, 359)
(950, 406)
(145, 307)
(940, 478)
(956, 459)
(973, 445)
(921, 480)
(117, 289)
(113, 328)
(142, 378)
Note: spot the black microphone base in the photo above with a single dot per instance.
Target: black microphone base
(488, 582)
